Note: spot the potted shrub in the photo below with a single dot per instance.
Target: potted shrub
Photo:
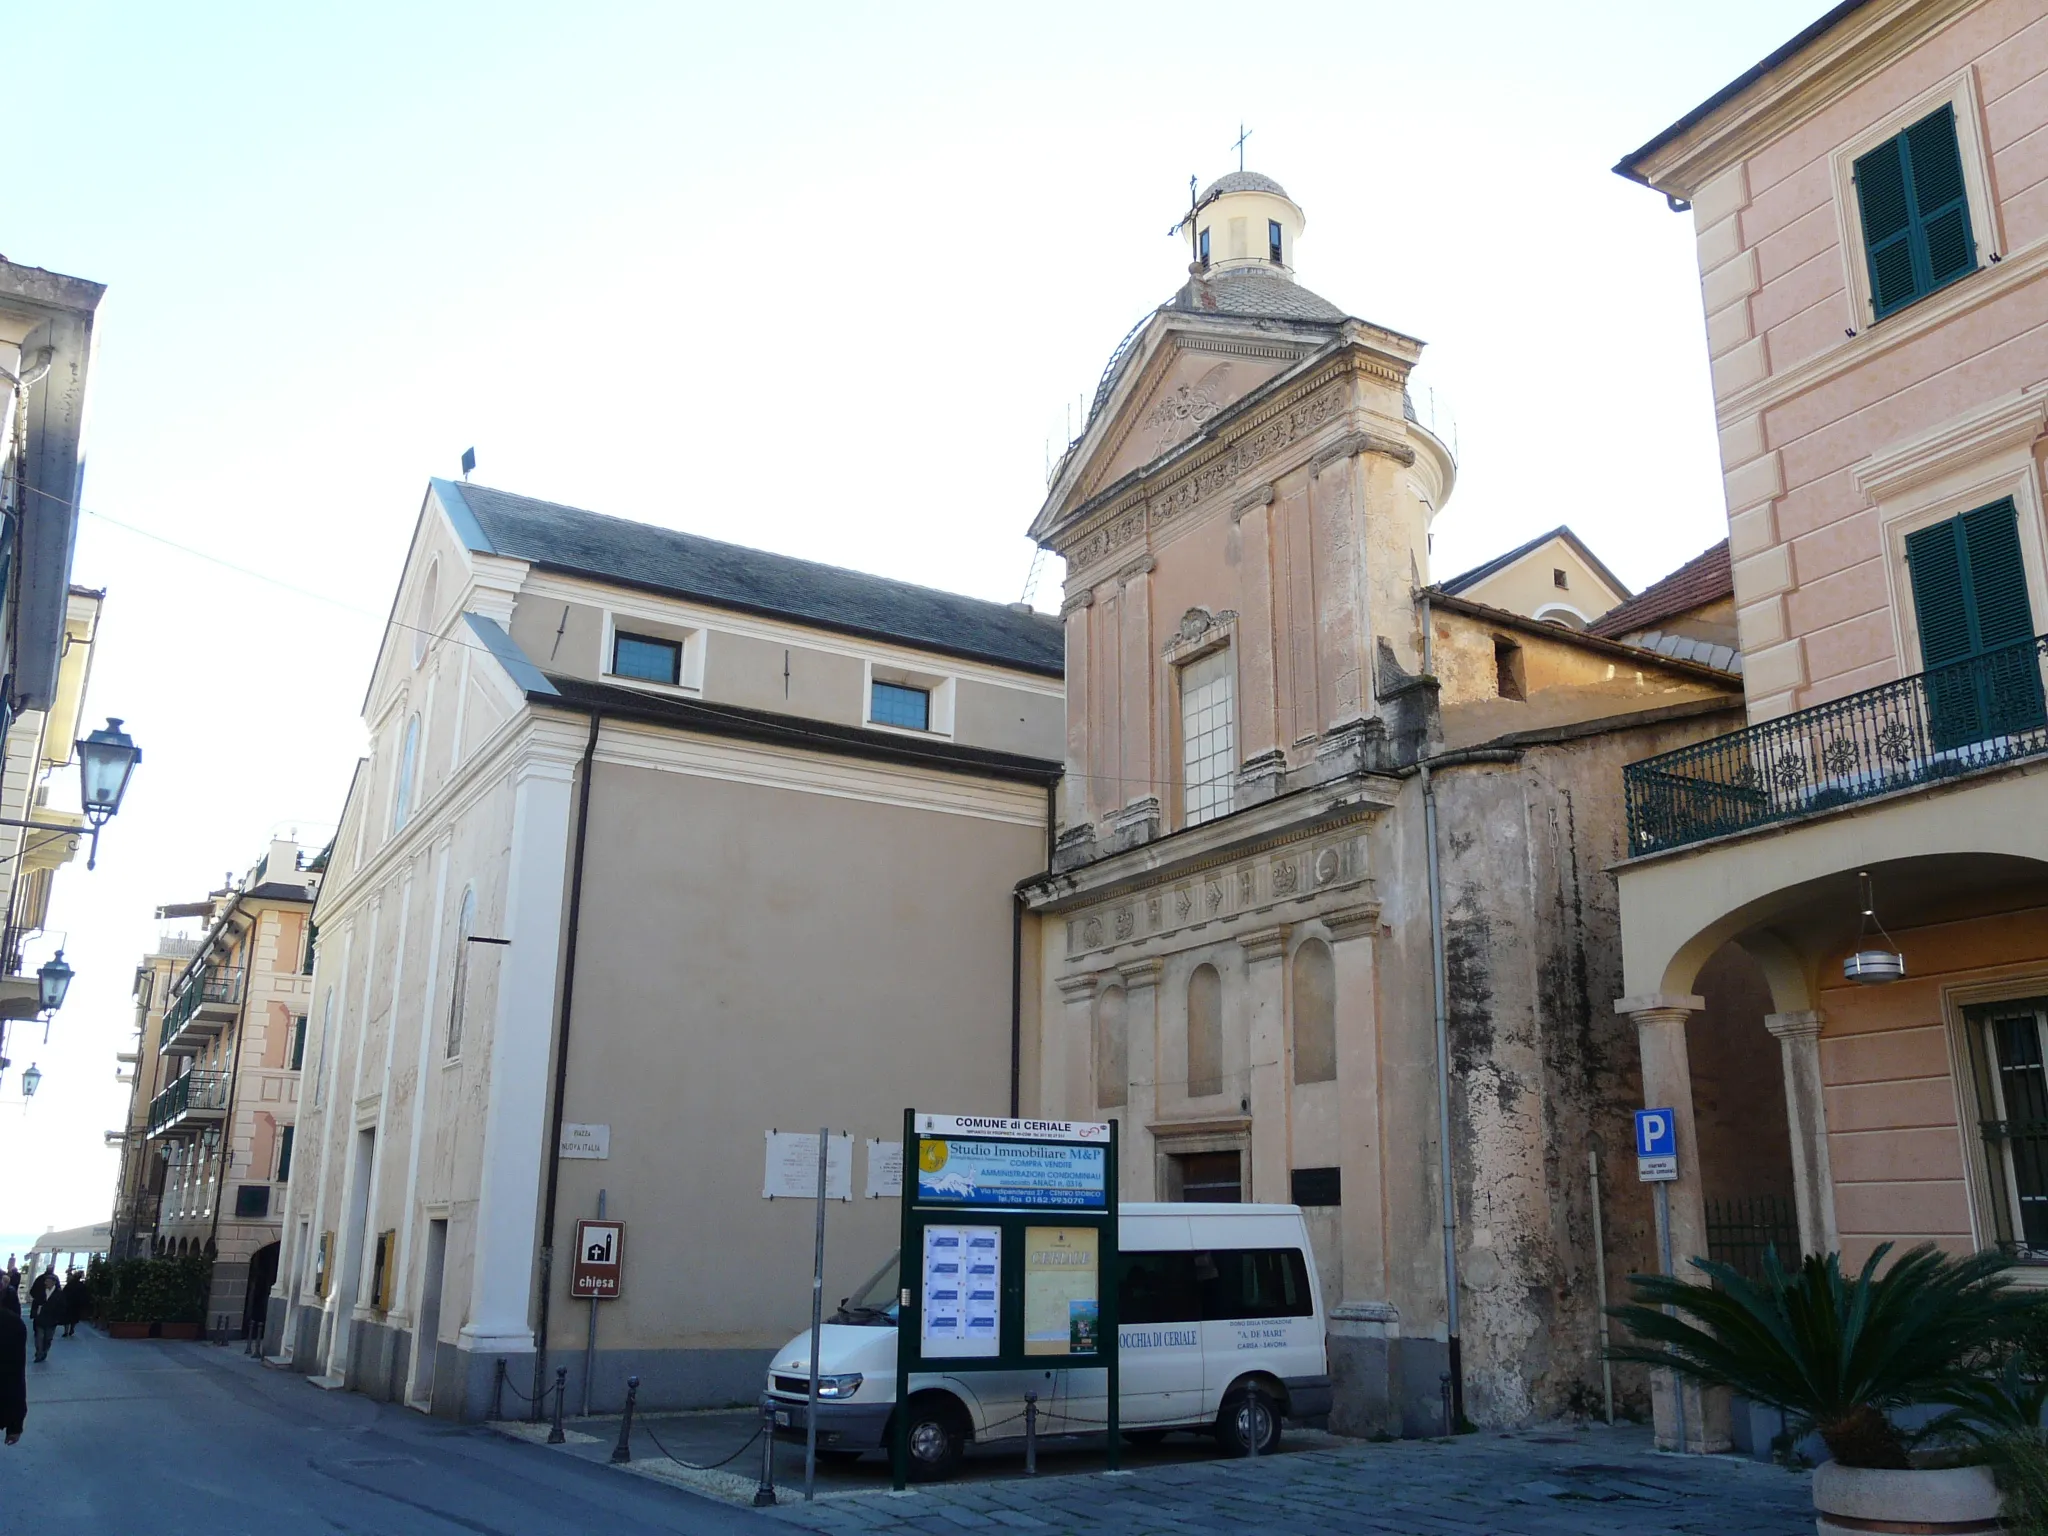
(1839, 1355)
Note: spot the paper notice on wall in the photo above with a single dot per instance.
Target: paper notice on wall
(792, 1171)
(885, 1170)
(961, 1315)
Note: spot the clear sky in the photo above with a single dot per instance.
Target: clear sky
(826, 279)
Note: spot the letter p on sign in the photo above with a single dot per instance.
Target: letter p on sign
(1656, 1146)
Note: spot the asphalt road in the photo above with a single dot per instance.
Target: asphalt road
(144, 1436)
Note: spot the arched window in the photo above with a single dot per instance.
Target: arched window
(1112, 1050)
(1205, 1032)
(465, 925)
(1315, 1014)
(408, 769)
(423, 613)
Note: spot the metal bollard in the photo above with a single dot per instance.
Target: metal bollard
(1257, 1432)
(623, 1451)
(498, 1391)
(764, 1493)
(555, 1435)
(1031, 1434)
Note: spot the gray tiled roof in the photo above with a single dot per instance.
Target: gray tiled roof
(733, 576)
(1254, 293)
(1244, 181)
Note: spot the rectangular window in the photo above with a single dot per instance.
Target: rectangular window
(1202, 240)
(895, 704)
(284, 1154)
(647, 659)
(298, 1050)
(1205, 1178)
(1208, 736)
(252, 1202)
(1976, 627)
(1509, 680)
(1273, 240)
(1916, 214)
(1157, 1288)
(1252, 1282)
(2012, 1088)
(312, 938)
(1557, 579)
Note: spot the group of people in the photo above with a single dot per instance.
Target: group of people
(52, 1304)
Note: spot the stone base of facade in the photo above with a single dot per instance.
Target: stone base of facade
(1382, 1384)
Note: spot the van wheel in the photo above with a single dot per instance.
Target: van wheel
(1249, 1418)
(938, 1438)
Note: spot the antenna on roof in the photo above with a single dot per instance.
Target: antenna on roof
(468, 461)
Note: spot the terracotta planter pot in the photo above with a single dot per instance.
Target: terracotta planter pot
(178, 1330)
(1951, 1501)
(125, 1330)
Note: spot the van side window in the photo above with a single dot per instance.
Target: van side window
(1158, 1288)
(1252, 1282)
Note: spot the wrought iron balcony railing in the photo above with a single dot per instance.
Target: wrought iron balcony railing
(202, 1094)
(1919, 730)
(209, 986)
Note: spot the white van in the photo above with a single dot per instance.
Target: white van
(1220, 1331)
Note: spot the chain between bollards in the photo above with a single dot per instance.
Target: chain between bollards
(764, 1493)
(555, 1435)
(623, 1451)
(1031, 1434)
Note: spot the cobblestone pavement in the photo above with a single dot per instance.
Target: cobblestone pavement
(1588, 1482)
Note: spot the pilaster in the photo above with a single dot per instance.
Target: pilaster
(1352, 934)
(1141, 1025)
(1265, 970)
(1806, 1116)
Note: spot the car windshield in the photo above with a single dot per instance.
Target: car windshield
(873, 1304)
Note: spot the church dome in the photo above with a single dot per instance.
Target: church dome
(1244, 181)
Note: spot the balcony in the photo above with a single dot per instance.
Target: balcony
(191, 1104)
(1921, 730)
(204, 1006)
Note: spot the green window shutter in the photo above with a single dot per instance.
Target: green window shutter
(1940, 601)
(284, 1155)
(1983, 679)
(1887, 225)
(1939, 201)
(1916, 213)
(1998, 577)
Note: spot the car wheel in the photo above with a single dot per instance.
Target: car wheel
(1249, 1419)
(938, 1438)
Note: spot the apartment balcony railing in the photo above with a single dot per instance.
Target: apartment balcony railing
(204, 1006)
(1919, 730)
(193, 1102)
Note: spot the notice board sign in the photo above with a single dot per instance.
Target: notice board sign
(599, 1268)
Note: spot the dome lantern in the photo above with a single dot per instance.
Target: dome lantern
(1241, 221)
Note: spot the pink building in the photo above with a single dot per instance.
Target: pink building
(1871, 207)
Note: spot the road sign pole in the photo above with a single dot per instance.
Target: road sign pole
(1109, 1269)
(906, 1337)
(590, 1341)
(1664, 1266)
(817, 1325)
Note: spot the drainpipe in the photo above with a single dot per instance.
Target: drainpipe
(552, 1151)
(1440, 986)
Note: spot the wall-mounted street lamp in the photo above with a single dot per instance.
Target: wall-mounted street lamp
(53, 980)
(31, 1080)
(106, 760)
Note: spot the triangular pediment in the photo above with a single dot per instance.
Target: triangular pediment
(1181, 373)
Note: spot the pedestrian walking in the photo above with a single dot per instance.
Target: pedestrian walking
(13, 1365)
(76, 1301)
(45, 1311)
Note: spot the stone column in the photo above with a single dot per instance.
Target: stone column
(1265, 976)
(1258, 733)
(1667, 1083)
(1137, 664)
(1136, 1172)
(1364, 1240)
(1074, 787)
(1806, 1117)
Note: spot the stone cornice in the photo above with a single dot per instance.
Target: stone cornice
(2012, 422)
(1833, 64)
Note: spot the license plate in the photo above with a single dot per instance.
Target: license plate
(782, 1418)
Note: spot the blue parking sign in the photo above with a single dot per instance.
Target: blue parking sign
(1656, 1146)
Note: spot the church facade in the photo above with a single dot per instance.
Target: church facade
(1324, 827)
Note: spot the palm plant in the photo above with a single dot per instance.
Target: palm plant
(1836, 1354)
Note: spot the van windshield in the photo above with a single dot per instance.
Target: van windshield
(873, 1304)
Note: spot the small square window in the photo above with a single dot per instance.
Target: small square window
(1203, 241)
(894, 704)
(1509, 681)
(1273, 239)
(647, 659)
(252, 1201)
(1557, 579)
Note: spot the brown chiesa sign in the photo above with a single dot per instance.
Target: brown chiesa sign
(600, 1260)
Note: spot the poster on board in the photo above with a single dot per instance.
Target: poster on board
(1062, 1291)
(963, 1309)
(954, 1170)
